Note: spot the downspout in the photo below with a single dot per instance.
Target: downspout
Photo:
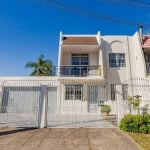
(59, 57)
(140, 33)
(130, 70)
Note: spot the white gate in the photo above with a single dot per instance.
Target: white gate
(19, 103)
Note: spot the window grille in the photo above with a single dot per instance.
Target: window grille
(73, 92)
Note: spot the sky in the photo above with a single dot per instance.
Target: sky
(29, 28)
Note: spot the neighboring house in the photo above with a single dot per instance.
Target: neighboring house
(89, 68)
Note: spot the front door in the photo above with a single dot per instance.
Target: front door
(92, 98)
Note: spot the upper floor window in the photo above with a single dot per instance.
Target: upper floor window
(117, 60)
(80, 59)
(79, 64)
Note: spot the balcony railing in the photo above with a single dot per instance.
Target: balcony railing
(80, 71)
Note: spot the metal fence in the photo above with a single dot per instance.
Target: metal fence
(138, 87)
(76, 106)
(19, 103)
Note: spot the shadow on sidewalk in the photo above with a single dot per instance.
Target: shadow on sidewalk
(16, 130)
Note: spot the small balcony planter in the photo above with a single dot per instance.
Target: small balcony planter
(105, 110)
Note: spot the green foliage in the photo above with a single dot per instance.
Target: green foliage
(41, 67)
(135, 102)
(136, 123)
(105, 108)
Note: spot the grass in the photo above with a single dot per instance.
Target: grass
(142, 139)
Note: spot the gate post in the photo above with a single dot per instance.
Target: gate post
(42, 114)
(120, 103)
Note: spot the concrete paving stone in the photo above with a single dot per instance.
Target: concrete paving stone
(64, 147)
(65, 141)
(80, 141)
(13, 147)
(52, 135)
(5, 140)
(25, 135)
(49, 141)
(55, 130)
(81, 147)
(2, 146)
(99, 147)
(29, 147)
(46, 147)
(97, 142)
(18, 140)
(34, 141)
(68, 139)
(112, 141)
(39, 135)
(118, 147)
(67, 135)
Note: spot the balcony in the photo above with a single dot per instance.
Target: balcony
(80, 71)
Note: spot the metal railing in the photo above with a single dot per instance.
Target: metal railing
(80, 70)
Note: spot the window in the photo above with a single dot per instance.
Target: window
(147, 60)
(117, 60)
(73, 92)
(79, 63)
(125, 91)
(113, 91)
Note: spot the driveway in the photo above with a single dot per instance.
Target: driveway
(65, 139)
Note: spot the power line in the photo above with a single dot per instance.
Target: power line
(136, 3)
(94, 14)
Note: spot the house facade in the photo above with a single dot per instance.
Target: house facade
(89, 68)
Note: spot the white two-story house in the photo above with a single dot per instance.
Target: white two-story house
(89, 68)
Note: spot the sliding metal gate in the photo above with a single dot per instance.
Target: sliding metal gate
(70, 104)
(66, 106)
(19, 103)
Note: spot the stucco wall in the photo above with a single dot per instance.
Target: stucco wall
(66, 58)
(137, 57)
(115, 44)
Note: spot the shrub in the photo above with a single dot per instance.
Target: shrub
(136, 123)
(105, 109)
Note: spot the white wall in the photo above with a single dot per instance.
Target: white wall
(136, 57)
(66, 58)
(115, 44)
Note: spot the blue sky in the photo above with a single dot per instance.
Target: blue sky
(29, 28)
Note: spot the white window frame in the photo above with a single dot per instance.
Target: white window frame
(117, 60)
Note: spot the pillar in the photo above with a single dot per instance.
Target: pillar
(42, 114)
(120, 103)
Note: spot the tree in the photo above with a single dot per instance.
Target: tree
(135, 102)
(41, 67)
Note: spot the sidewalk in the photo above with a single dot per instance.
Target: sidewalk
(65, 139)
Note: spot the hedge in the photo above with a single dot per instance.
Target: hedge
(136, 123)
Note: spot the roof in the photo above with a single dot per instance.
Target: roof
(146, 41)
(80, 41)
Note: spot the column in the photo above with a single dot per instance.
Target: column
(42, 115)
(120, 103)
